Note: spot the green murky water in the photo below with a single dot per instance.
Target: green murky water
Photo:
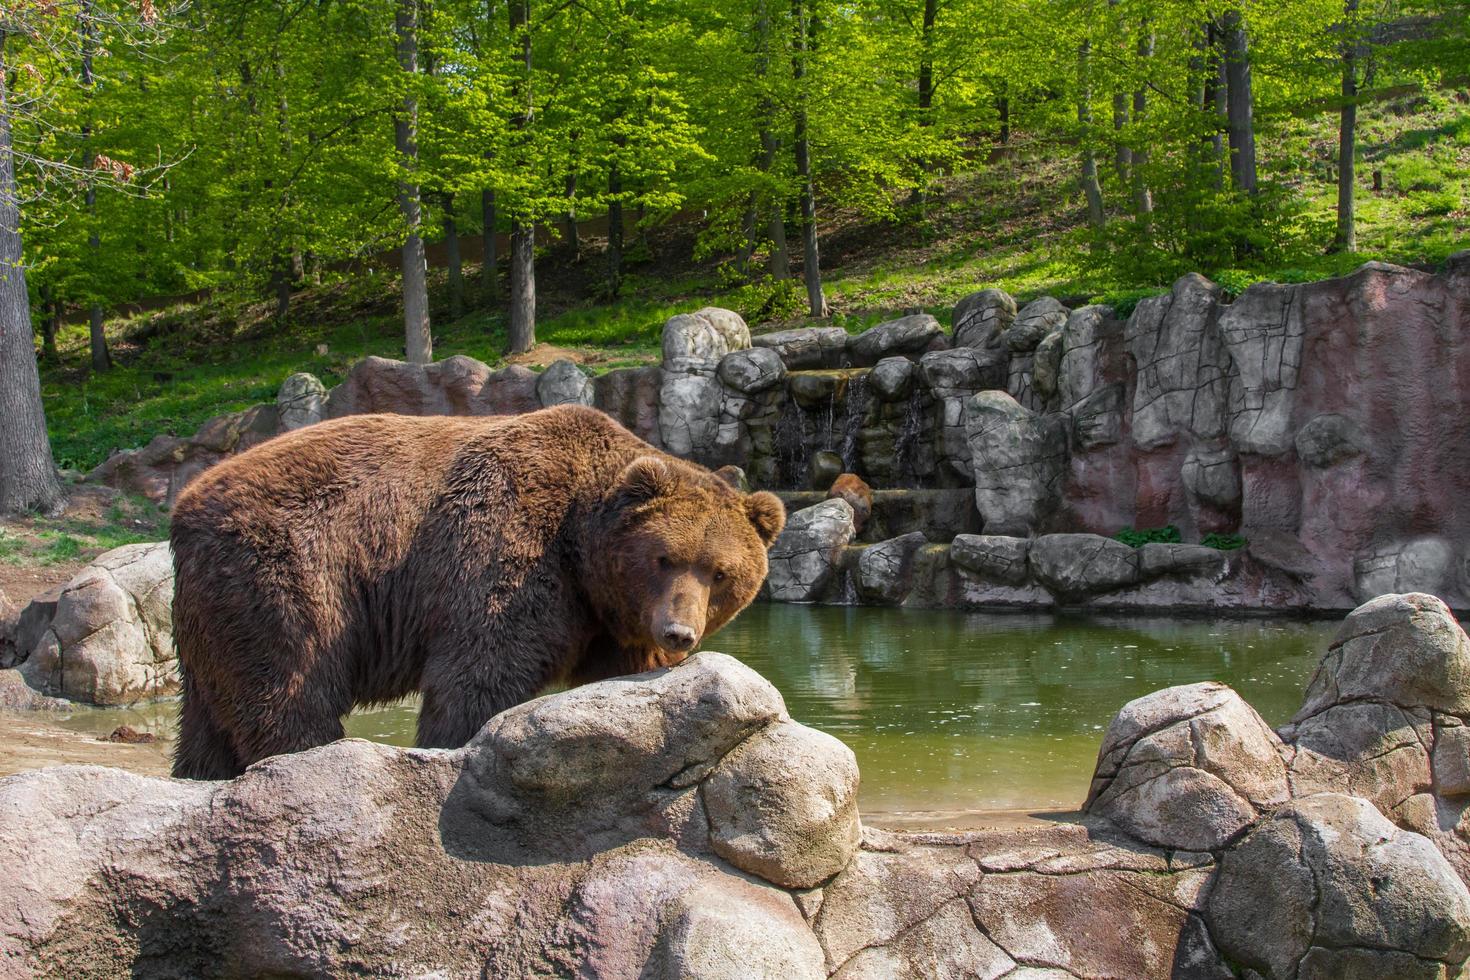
(953, 714)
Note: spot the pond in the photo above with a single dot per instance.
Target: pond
(954, 716)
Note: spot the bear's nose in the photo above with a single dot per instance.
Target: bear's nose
(678, 637)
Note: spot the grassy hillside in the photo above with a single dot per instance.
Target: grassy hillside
(1011, 222)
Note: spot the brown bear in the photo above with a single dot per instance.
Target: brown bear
(474, 560)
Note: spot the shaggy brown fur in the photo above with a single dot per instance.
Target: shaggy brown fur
(474, 560)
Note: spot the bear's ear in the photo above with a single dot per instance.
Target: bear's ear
(644, 479)
(767, 513)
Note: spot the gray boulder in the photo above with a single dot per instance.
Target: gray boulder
(883, 568)
(809, 551)
(1329, 439)
(1397, 675)
(752, 371)
(1327, 887)
(807, 347)
(909, 336)
(695, 342)
(1018, 458)
(301, 401)
(1188, 767)
(783, 805)
(1159, 558)
(111, 638)
(994, 557)
(689, 415)
(1423, 564)
(892, 378)
(1036, 319)
(563, 383)
(1076, 566)
(980, 318)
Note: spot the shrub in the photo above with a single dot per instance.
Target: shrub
(1168, 534)
(1223, 542)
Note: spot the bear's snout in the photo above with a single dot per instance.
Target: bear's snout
(678, 638)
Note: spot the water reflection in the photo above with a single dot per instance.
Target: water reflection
(952, 712)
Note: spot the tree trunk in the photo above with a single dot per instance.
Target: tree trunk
(453, 259)
(490, 267)
(1347, 134)
(281, 285)
(770, 146)
(1143, 199)
(1241, 107)
(804, 35)
(50, 324)
(522, 287)
(1003, 109)
(418, 344)
(1090, 186)
(522, 231)
(569, 220)
(1122, 152)
(27, 473)
(615, 225)
(747, 234)
(926, 88)
(101, 358)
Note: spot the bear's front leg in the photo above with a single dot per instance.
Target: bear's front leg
(464, 689)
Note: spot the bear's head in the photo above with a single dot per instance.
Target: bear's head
(678, 552)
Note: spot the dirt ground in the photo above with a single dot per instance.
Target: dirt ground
(94, 518)
(35, 739)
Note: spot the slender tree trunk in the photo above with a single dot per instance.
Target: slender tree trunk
(615, 224)
(569, 220)
(1347, 134)
(1241, 107)
(803, 41)
(50, 324)
(281, 285)
(490, 269)
(522, 231)
(101, 358)
(1220, 102)
(1143, 199)
(1003, 109)
(454, 260)
(770, 146)
(926, 88)
(28, 478)
(1122, 152)
(418, 343)
(1090, 186)
(747, 234)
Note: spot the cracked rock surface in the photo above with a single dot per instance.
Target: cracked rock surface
(679, 824)
(110, 639)
(806, 556)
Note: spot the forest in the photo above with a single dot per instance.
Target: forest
(256, 149)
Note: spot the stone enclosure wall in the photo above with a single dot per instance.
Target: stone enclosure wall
(678, 824)
(1326, 423)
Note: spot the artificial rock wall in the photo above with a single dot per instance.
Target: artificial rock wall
(1326, 422)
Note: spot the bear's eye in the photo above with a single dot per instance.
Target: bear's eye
(664, 563)
(719, 576)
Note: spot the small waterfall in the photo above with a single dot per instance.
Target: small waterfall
(788, 438)
(852, 425)
(905, 471)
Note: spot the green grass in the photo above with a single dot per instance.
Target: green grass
(1012, 223)
(48, 541)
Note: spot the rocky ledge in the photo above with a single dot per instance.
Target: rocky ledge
(680, 824)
